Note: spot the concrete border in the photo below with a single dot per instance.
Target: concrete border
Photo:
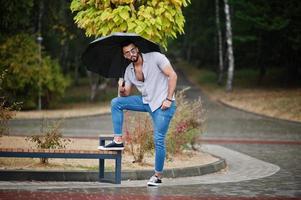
(92, 176)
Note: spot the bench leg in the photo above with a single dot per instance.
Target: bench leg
(101, 168)
(118, 168)
(101, 162)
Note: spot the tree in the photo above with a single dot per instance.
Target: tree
(220, 43)
(229, 85)
(257, 27)
(7, 110)
(26, 72)
(153, 19)
(15, 16)
(197, 44)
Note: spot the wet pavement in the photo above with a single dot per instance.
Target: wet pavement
(253, 135)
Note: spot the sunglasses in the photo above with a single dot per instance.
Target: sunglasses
(133, 51)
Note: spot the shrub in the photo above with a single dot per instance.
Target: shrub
(28, 74)
(50, 139)
(187, 124)
(7, 110)
(139, 138)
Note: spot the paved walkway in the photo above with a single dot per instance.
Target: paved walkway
(268, 166)
(241, 167)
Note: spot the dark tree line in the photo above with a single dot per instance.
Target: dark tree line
(40, 47)
(266, 34)
(61, 38)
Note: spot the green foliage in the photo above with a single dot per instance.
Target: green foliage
(15, 16)
(27, 74)
(187, 124)
(7, 111)
(185, 128)
(197, 43)
(153, 19)
(254, 17)
(51, 138)
(138, 135)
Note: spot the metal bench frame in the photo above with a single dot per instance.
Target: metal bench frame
(78, 154)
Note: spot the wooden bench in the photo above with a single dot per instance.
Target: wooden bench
(78, 154)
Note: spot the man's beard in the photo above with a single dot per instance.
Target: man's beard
(134, 59)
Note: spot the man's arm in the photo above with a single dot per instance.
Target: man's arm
(124, 90)
(172, 82)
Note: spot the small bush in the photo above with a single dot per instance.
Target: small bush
(187, 124)
(28, 74)
(7, 110)
(50, 139)
(139, 137)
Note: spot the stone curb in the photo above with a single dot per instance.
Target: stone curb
(92, 176)
(64, 117)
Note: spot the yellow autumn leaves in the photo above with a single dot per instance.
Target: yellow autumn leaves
(153, 19)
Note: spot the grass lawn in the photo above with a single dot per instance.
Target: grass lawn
(76, 102)
(272, 98)
(78, 96)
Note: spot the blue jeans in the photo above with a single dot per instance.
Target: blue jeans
(161, 119)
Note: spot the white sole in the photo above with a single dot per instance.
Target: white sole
(111, 148)
(153, 184)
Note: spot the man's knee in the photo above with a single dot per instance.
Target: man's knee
(115, 102)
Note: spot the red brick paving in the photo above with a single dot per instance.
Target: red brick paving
(14, 195)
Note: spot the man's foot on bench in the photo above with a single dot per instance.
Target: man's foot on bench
(112, 146)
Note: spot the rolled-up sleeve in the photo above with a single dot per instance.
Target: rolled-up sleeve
(162, 61)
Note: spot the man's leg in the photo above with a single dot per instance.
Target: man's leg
(161, 120)
(119, 104)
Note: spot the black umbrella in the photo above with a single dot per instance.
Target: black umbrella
(104, 55)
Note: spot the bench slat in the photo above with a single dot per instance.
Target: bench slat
(65, 151)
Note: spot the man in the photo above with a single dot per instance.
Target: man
(156, 80)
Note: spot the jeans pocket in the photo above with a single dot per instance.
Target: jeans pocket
(169, 111)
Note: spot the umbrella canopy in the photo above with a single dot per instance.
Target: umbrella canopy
(104, 55)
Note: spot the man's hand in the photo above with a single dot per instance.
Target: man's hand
(123, 89)
(166, 104)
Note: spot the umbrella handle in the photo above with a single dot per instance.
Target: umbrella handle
(122, 82)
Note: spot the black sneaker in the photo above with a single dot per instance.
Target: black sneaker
(112, 146)
(154, 181)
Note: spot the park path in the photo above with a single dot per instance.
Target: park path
(222, 122)
(272, 141)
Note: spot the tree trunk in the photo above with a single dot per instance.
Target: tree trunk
(96, 84)
(188, 52)
(262, 66)
(76, 64)
(64, 58)
(229, 85)
(188, 46)
(220, 45)
(40, 39)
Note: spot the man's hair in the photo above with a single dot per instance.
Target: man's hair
(126, 43)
